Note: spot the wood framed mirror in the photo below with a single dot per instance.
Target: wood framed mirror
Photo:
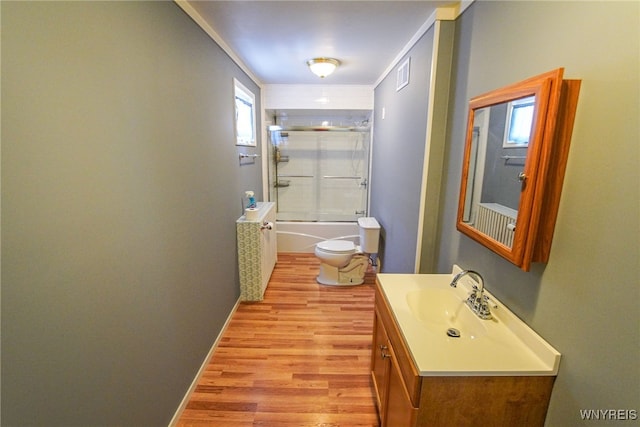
(517, 144)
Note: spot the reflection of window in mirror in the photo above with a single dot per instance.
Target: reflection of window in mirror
(245, 115)
(519, 121)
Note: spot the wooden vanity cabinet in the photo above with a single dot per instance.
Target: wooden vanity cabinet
(405, 399)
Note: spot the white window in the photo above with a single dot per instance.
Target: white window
(519, 122)
(245, 114)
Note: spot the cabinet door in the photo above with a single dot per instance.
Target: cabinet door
(399, 411)
(269, 246)
(380, 364)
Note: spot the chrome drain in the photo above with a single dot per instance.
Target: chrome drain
(453, 333)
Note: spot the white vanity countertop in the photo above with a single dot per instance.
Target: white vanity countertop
(263, 209)
(502, 346)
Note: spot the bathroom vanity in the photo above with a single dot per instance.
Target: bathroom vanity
(435, 363)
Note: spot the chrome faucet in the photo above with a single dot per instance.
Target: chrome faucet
(477, 301)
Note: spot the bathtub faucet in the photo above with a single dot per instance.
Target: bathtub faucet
(477, 301)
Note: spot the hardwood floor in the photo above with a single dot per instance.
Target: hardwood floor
(299, 358)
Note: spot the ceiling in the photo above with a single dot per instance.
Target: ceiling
(274, 39)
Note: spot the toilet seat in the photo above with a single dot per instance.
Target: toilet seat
(337, 246)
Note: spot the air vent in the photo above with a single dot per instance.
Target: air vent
(403, 74)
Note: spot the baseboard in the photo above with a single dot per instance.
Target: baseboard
(187, 396)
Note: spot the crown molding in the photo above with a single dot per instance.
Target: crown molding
(198, 19)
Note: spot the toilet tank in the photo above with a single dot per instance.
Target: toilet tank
(369, 234)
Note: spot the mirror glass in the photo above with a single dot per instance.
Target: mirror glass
(499, 142)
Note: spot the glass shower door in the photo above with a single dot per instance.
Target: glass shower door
(296, 176)
(320, 175)
(342, 176)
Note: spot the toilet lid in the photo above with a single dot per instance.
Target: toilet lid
(337, 246)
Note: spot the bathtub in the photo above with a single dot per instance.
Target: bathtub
(297, 236)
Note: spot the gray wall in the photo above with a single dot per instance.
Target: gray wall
(585, 300)
(120, 191)
(397, 158)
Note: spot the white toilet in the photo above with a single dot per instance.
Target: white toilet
(341, 262)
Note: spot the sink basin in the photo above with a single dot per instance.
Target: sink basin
(426, 307)
(441, 309)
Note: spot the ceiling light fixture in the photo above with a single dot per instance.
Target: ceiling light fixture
(322, 67)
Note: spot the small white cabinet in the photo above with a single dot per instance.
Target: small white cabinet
(257, 251)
